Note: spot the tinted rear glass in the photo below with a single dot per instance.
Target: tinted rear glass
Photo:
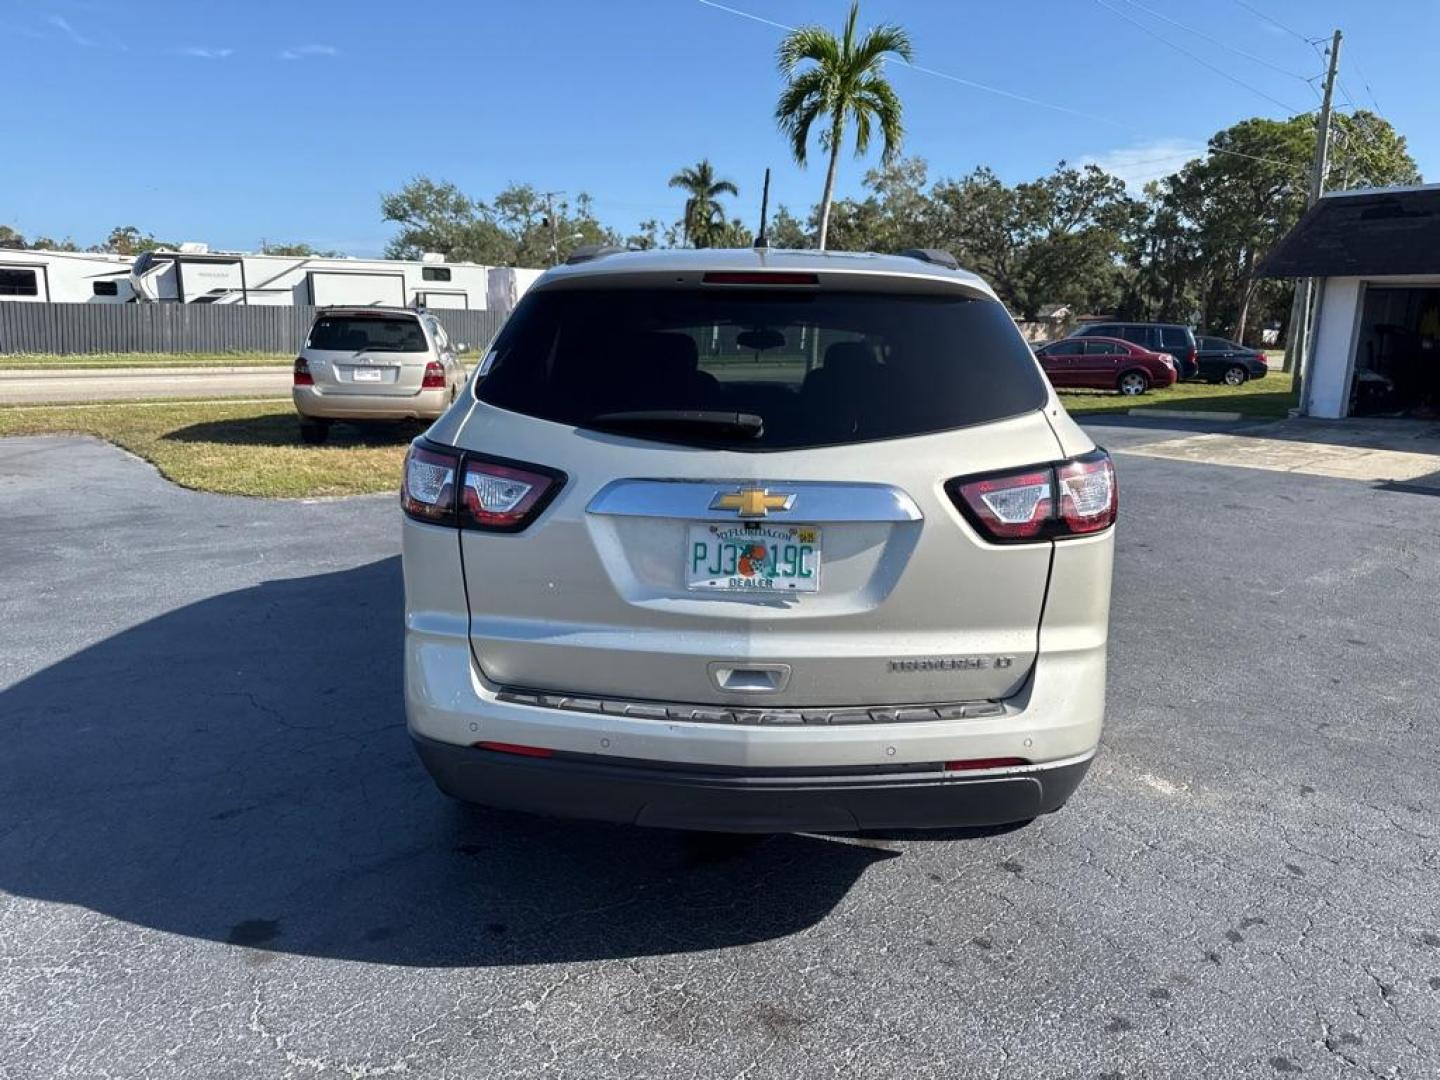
(1176, 337)
(818, 368)
(353, 333)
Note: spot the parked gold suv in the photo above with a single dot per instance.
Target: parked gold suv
(373, 363)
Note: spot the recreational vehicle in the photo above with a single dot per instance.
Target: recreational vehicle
(64, 277)
(196, 275)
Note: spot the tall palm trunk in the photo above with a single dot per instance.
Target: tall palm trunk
(836, 134)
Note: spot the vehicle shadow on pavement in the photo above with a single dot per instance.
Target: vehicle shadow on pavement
(283, 429)
(238, 770)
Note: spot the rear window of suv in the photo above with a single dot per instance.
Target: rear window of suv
(819, 369)
(351, 333)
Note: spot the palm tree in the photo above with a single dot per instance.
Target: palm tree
(704, 219)
(845, 81)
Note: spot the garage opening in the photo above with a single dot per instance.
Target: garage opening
(1397, 354)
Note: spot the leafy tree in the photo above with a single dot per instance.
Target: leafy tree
(1051, 240)
(128, 240)
(10, 239)
(894, 216)
(1212, 222)
(785, 230)
(45, 243)
(703, 223)
(653, 234)
(437, 216)
(300, 251)
(835, 81)
(524, 215)
(516, 230)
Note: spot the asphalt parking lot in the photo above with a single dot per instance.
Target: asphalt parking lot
(219, 857)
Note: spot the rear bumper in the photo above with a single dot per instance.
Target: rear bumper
(331, 405)
(585, 786)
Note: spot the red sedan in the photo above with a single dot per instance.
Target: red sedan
(1104, 363)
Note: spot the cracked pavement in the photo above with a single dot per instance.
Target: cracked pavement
(219, 857)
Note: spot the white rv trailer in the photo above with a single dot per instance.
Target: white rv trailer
(64, 277)
(196, 275)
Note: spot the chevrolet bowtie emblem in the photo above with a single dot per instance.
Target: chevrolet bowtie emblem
(753, 502)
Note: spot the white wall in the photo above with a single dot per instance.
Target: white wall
(1333, 346)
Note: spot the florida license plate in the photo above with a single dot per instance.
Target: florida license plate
(753, 558)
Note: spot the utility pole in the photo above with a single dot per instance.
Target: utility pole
(1296, 359)
(554, 232)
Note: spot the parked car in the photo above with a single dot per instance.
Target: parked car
(373, 363)
(1178, 341)
(1222, 360)
(1098, 363)
(758, 541)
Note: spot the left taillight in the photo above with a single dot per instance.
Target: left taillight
(1072, 498)
(427, 490)
(302, 373)
(445, 486)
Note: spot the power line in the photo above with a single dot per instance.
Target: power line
(1365, 83)
(1195, 56)
(983, 87)
(1214, 40)
(1021, 97)
(1275, 22)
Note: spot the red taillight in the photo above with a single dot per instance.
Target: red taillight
(434, 377)
(1072, 498)
(1014, 506)
(514, 748)
(427, 491)
(1192, 357)
(445, 486)
(759, 277)
(1089, 499)
(974, 764)
(501, 497)
(302, 373)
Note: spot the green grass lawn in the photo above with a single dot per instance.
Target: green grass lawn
(1269, 398)
(232, 448)
(54, 362)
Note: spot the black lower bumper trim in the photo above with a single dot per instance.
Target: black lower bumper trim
(591, 787)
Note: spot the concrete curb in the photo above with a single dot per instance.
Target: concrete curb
(1186, 414)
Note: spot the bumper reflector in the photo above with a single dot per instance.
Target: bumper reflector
(973, 764)
(514, 748)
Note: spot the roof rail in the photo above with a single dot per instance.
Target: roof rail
(586, 252)
(937, 256)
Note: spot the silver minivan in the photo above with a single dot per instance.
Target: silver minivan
(758, 541)
(373, 363)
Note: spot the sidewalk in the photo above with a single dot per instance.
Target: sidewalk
(72, 385)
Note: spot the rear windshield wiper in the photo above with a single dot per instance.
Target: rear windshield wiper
(747, 425)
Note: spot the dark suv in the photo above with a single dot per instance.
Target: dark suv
(1178, 341)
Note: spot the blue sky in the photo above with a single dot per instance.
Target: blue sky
(231, 120)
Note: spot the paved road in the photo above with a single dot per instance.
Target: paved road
(218, 857)
(134, 384)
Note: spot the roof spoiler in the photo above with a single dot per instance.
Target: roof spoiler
(934, 256)
(586, 252)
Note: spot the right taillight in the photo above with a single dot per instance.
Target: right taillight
(302, 373)
(445, 486)
(1072, 498)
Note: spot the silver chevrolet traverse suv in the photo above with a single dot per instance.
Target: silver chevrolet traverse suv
(758, 541)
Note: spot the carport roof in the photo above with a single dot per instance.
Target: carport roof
(1361, 234)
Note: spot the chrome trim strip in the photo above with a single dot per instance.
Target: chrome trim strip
(754, 715)
(814, 502)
